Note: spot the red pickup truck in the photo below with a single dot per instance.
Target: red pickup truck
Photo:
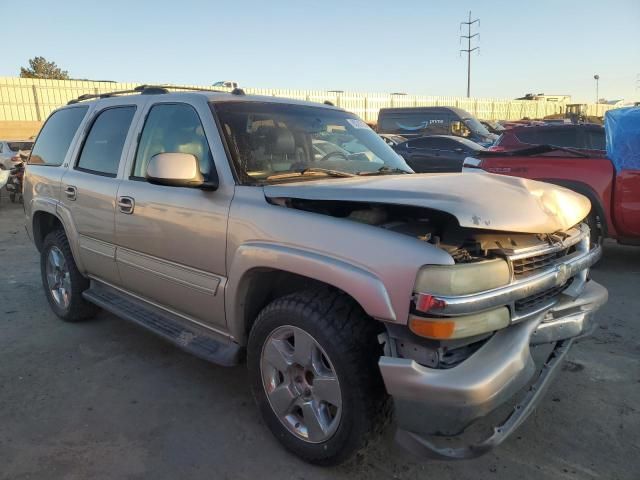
(614, 195)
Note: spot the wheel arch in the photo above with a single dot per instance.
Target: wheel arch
(261, 273)
(44, 220)
(42, 224)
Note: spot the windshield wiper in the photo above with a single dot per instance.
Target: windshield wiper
(384, 170)
(312, 170)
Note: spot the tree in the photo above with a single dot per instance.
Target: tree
(39, 67)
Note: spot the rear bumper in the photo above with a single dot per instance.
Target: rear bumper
(444, 402)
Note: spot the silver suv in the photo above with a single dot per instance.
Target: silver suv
(355, 290)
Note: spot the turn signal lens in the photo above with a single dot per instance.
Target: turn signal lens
(460, 327)
(441, 329)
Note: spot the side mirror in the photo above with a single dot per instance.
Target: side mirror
(177, 170)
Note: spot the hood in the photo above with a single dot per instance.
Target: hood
(477, 200)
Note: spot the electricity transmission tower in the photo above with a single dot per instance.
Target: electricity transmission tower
(468, 50)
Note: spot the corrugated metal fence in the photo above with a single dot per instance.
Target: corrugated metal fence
(32, 100)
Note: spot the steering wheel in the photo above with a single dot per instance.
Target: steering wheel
(332, 154)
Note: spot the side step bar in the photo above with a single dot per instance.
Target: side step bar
(193, 339)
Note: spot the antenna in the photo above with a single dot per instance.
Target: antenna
(468, 50)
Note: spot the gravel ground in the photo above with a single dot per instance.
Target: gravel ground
(107, 400)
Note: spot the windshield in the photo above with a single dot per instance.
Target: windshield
(267, 141)
(476, 127)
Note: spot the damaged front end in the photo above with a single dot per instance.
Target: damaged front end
(470, 350)
(514, 290)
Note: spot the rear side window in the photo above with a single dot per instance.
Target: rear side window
(172, 128)
(438, 143)
(595, 139)
(421, 143)
(528, 136)
(103, 146)
(562, 137)
(559, 137)
(55, 137)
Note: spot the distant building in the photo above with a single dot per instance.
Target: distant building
(548, 98)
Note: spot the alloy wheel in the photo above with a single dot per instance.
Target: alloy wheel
(58, 278)
(301, 384)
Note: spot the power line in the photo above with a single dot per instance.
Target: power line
(468, 50)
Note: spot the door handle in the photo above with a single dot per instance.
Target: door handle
(70, 191)
(126, 205)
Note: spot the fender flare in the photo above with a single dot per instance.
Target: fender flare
(51, 207)
(362, 285)
(587, 191)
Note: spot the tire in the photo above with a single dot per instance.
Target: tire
(74, 307)
(12, 197)
(348, 338)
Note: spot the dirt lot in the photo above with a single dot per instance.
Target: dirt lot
(105, 399)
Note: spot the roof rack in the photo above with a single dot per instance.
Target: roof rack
(150, 90)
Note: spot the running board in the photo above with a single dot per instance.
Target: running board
(177, 330)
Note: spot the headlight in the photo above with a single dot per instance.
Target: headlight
(463, 278)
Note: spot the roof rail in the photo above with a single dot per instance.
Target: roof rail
(149, 90)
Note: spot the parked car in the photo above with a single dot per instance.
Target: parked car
(581, 136)
(611, 184)
(437, 153)
(423, 121)
(353, 287)
(392, 140)
(227, 84)
(13, 152)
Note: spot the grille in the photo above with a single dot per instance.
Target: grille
(533, 301)
(528, 265)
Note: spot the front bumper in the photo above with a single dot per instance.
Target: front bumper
(444, 402)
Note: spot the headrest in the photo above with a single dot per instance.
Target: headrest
(280, 141)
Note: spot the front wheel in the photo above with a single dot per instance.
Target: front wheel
(312, 359)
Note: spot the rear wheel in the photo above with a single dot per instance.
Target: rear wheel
(62, 281)
(312, 360)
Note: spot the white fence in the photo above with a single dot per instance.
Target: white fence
(32, 100)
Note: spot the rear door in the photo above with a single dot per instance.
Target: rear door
(90, 185)
(172, 240)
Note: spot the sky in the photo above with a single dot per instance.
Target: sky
(543, 46)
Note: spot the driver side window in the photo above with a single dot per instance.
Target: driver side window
(172, 128)
(459, 129)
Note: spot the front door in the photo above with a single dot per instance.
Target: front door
(89, 190)
(172, 240)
